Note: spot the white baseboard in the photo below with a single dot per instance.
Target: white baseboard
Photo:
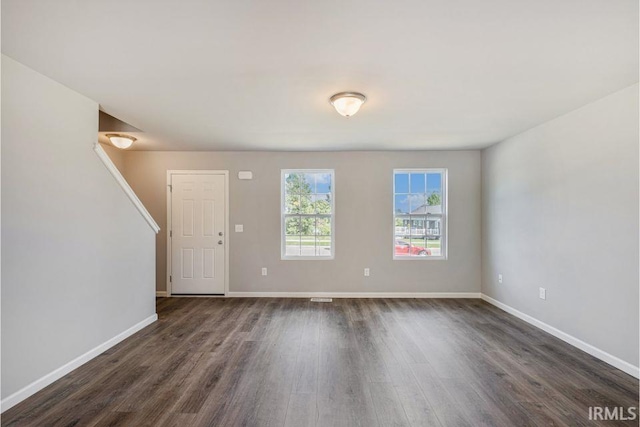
(570, 339)
(354, 294)
(161, 294)
(41, 383)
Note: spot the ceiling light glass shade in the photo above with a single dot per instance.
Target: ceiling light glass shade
(347, 103)
(121, 141)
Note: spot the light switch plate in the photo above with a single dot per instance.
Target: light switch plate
(245, 175)
(239, 228)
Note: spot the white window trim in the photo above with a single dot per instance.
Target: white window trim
(444, 238)
(283, 239)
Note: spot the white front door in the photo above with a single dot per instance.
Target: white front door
(197, 233)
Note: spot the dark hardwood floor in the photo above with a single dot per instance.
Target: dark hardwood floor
(353, 362)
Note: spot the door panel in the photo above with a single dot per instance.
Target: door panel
(208, 215)
(187, 218)
(187, 263)
(198, 226)
(208, 261)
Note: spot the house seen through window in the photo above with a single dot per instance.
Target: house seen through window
(419, 207)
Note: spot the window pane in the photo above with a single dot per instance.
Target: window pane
(402, 204)
(291, 183)
(323, 183)
(292, 246)
(402, 229)
(291, 204)
(292, 226)
(418, 183)
(434, 181)
(308, 245)
(419, 248)
(416, 242)
(401, 247)
(433, 228)
(322, 203)
(307, 184)
(307, 225)
(418, 227)
(434, 199)
(287, 178)
(323, 246)
(323, 226)
(434, 245)
(434, 189)
(401, 183)
(417, 204)
(296, 183)
(306, 205)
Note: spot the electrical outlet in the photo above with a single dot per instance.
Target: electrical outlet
(499, 278)
(239, 228)
(264, 271)
(543, 293)
(366, 272)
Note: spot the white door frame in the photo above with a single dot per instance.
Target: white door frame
(170, 173)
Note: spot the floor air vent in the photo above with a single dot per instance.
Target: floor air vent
(321, 299)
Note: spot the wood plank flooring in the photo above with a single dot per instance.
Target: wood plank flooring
(353, 362)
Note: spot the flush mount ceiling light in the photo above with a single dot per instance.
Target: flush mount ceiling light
(347, 103)
(121, 141)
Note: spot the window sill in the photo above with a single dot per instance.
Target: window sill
(307, 258)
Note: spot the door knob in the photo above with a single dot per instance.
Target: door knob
(220, 233)
(219, 242)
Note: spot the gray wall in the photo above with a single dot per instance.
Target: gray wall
(364, 223)
(560, 211)
(77, 257)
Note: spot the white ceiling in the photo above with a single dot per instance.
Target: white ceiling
(239, 75)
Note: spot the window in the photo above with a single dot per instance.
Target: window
(307, 214)
(420, 213)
